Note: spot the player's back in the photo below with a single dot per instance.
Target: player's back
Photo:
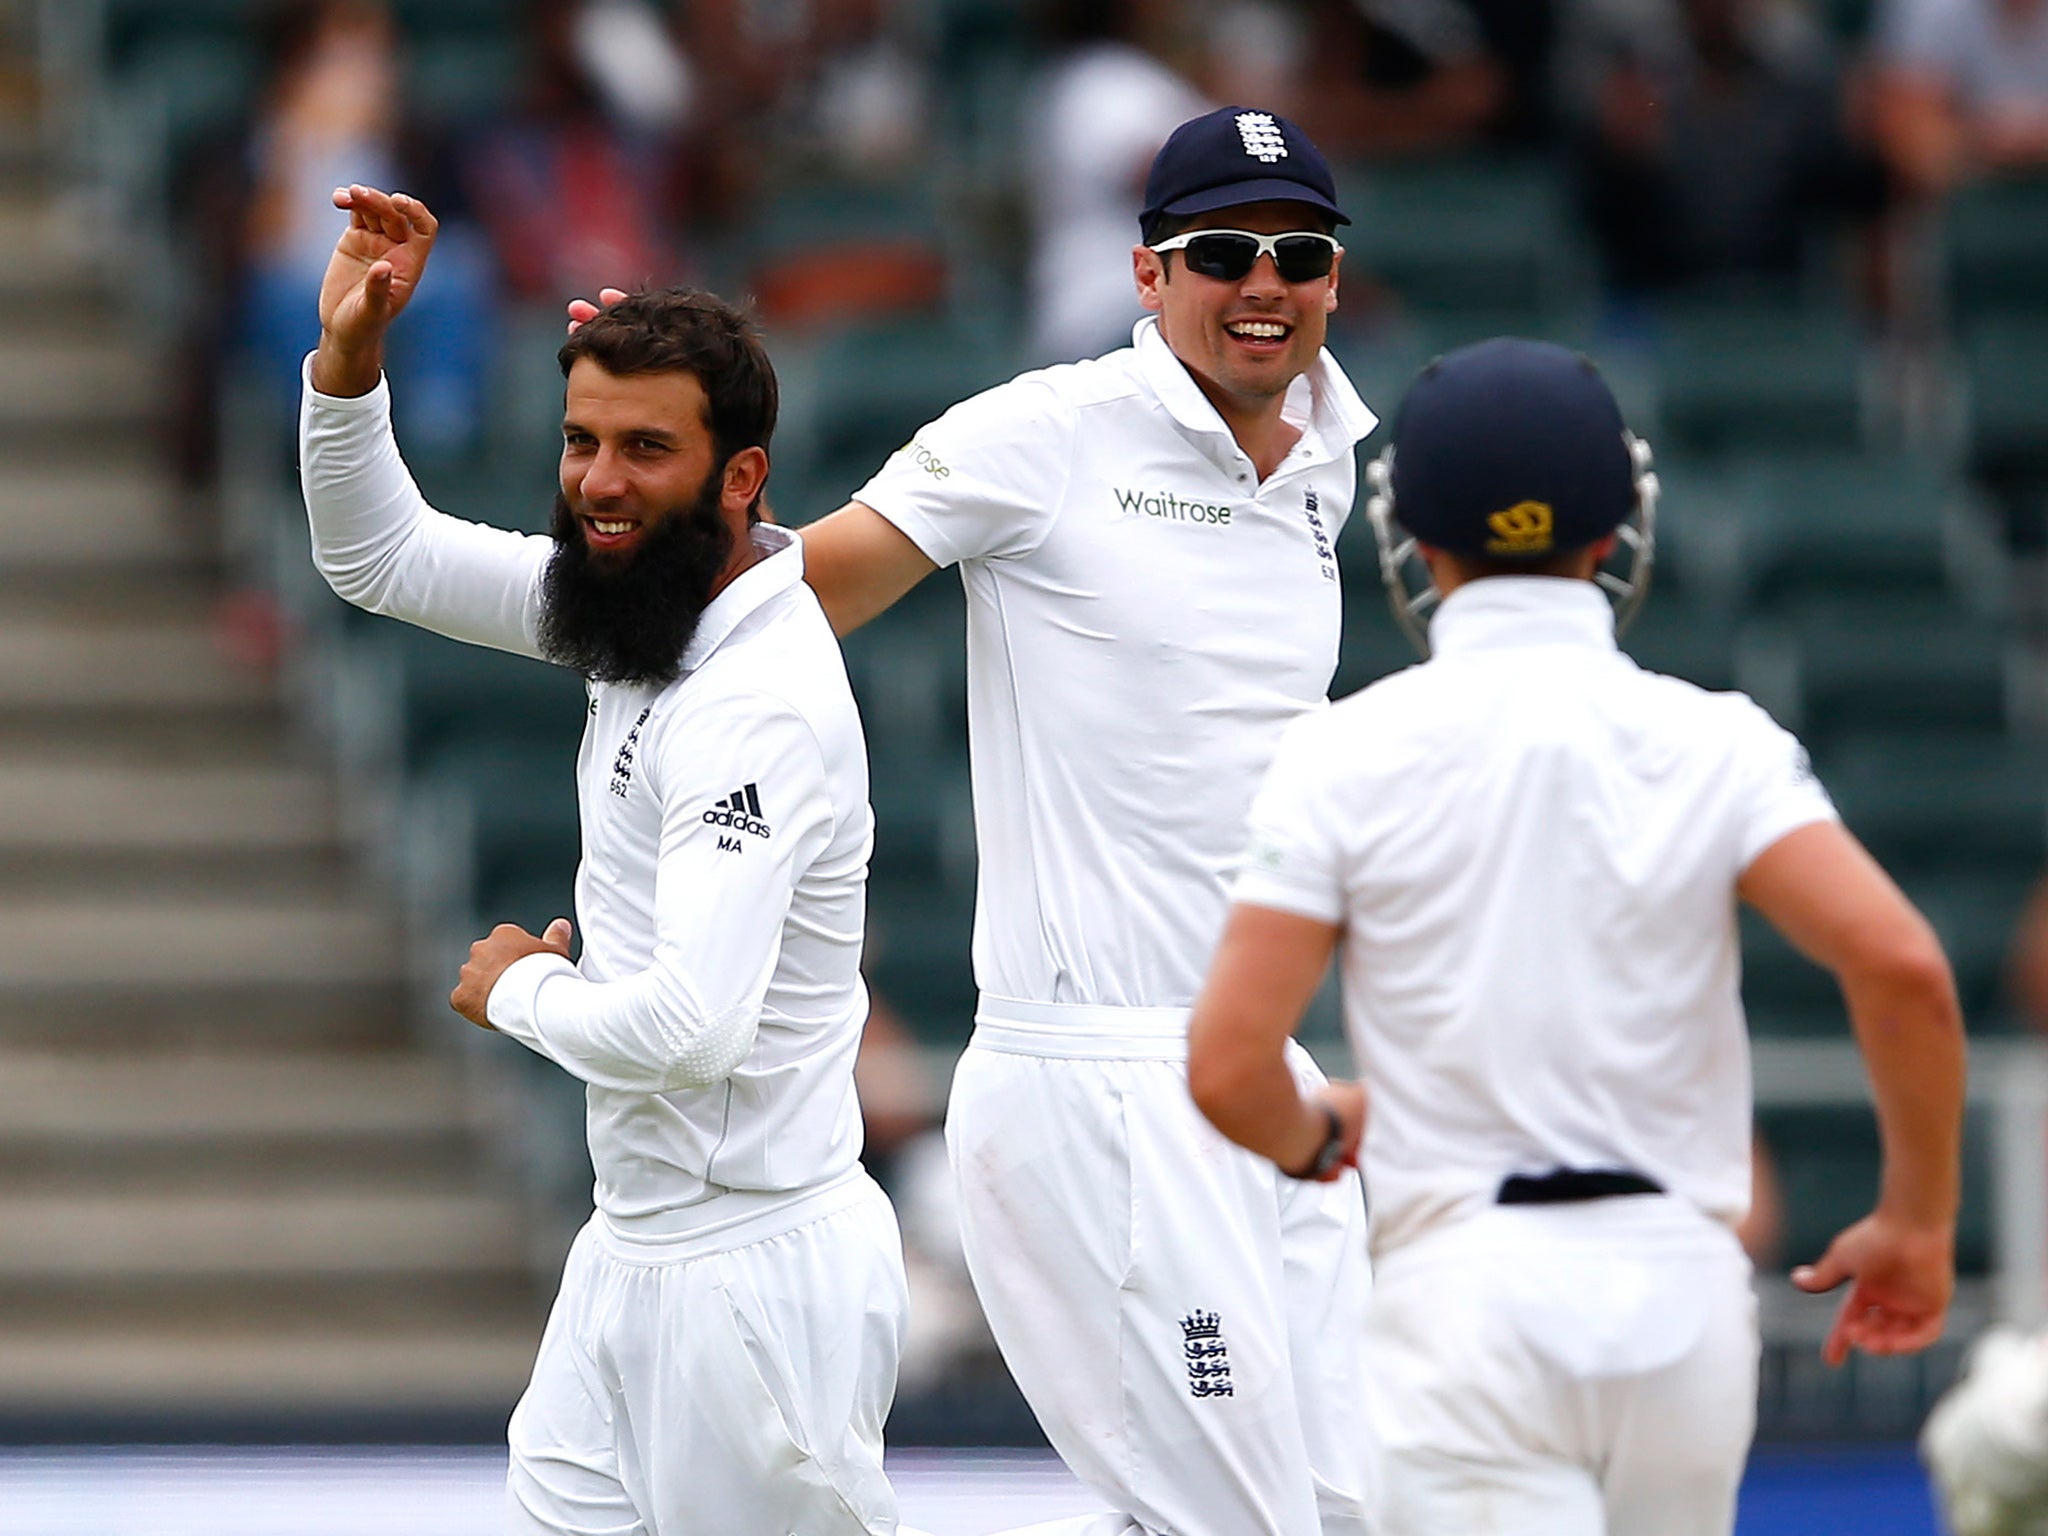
(1540, 846)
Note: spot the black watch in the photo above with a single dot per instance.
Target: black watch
(1328, 1155)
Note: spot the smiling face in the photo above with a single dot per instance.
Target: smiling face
(635, 448)
(1244, 341)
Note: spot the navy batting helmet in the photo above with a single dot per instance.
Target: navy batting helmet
(1511, 451)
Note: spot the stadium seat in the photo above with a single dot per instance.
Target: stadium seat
(459, 78)
(1997, 246)
(919, 958)
(1827, 1164)
(2005, 360)
(1449, 235)
(451, 693)
(1737, 374)
(1879, 661)
(1926, 802)
(526, 838)
(1691, 639)
(1830, 523)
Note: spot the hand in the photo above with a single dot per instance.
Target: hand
(1348, 1100)
(376, 265)
(1901, 1279)
(488, 958)
(581, 310)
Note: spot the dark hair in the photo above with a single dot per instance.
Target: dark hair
(686, 330)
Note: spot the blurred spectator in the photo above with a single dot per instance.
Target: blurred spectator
(1107, 103)
(861, 102)
(1711, 137)
(577, 188)
(1397, 77)
(1962, 89)
(331, 115)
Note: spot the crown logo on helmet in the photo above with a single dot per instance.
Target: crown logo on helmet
(1262, 137)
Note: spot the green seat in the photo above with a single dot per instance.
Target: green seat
(525, 836)
(177, 89)
(877, 384)
(465, 77)
(1477, 234)
(1975, 914)
(451, 693)
(1997, 237)
(1689, 639)
(919, 956)
(1893, 663)
(1735, 375)
(1939, 801)
(2005, 359)
(1825, 523)
(1827, 1164)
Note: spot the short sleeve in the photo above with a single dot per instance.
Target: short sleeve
(1783, 792)
(1293, 859)
(984, 481)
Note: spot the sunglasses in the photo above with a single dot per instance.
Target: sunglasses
(1229, 254)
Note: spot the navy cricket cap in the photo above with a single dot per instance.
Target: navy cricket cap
(1511, 450)
(1236, 155)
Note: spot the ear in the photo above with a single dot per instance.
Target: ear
(1148, 269)
(1330, 295)
(745, 473)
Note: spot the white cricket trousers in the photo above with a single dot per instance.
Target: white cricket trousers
(734, 1386)
(1183, 1318)
(1585, 1369)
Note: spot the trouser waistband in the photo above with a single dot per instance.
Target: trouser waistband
(1567, 1186)
(1080, 1031)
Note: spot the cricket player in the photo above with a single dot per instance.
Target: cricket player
(722, 1352)
(1531, 852)
(1145, 540)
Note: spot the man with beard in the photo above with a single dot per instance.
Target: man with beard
(723, 1349)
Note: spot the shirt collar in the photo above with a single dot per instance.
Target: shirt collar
(780, 567)
(1335, 416)
(1504, 612)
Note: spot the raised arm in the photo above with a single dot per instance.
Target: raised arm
(375, 539)
(1830, 899)
(859, 563)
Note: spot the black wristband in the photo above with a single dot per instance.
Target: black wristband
(1328, 1153)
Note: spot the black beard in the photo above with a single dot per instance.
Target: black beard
(628, 620)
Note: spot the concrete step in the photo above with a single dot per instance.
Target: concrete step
(283, 874)
(75, 664)
(210, 1098)
(50, 384)
(58, 515)
(87, 1014)
(249, 1237)
(52, 944)
(88, 1125)
(100, 807)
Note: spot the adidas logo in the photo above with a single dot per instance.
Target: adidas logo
(740, 810)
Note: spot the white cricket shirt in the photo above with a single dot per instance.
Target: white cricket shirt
(1145, 616)
(1532, 846)
(717, 1005)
